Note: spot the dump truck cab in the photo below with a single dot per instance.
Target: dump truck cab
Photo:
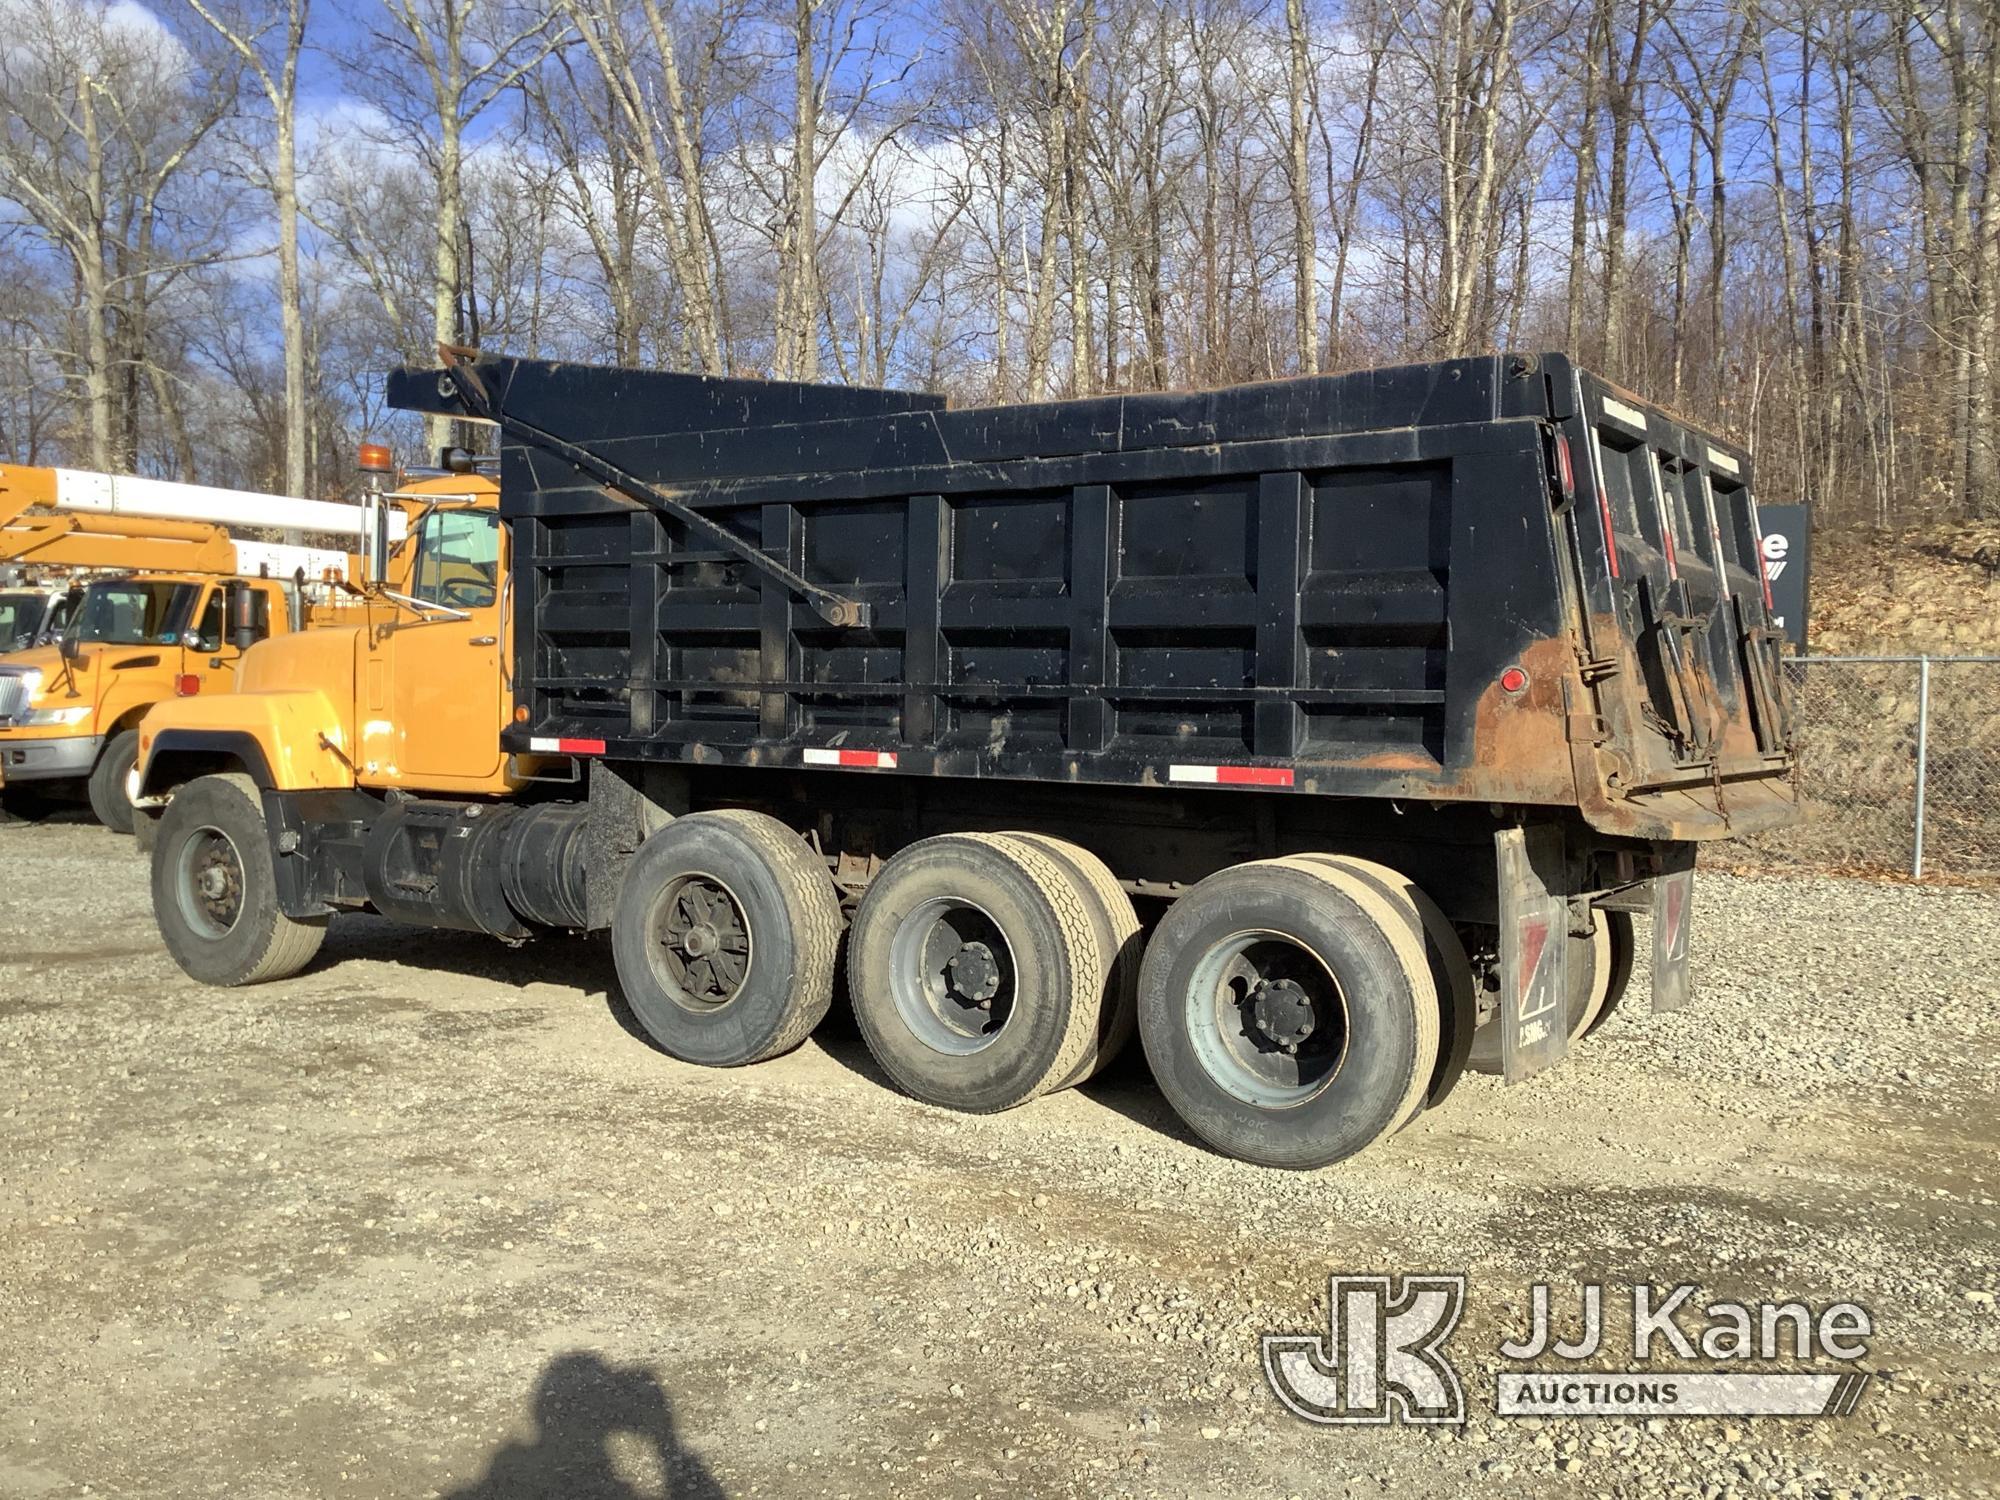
(404, 689)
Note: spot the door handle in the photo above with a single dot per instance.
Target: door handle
(484, 640)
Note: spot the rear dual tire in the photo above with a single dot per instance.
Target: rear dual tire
(1289, 1013)
(1612, 946)
(1600, 968)
(1444, 956)
(976, 965)
(725, 936)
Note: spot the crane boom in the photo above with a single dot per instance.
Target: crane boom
(79, 518)
(82, 490)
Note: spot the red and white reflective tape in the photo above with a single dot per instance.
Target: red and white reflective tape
(867, 760)
(1232, 775)
(541, 746)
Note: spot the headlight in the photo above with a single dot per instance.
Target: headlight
(55, 715)
(31, 681)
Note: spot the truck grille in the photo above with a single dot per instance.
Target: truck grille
(13, 696)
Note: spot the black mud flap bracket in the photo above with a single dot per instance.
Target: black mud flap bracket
(628, 804)
(1673, 922)
(1534, 957)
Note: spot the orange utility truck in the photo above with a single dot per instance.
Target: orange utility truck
(164, 603)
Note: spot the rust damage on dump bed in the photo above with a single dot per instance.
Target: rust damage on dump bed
(1518, 751)
(1738, 787)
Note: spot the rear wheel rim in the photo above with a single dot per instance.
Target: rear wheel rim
(1266, 1019)
(209, 882)
(700, 947)
(952, 976)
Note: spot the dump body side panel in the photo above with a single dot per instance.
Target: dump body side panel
(1363, 585)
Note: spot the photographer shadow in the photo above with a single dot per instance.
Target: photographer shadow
(581, 1404)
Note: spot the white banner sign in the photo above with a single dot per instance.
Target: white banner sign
(1650, 1393)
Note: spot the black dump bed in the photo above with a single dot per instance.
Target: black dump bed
(1497, 579)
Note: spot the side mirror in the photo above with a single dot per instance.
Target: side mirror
(69, 647)
(243, 612)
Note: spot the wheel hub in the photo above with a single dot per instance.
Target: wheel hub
(951, 975)
(1282, 1011)
(703, 941)
(972, 975)
(210, 883)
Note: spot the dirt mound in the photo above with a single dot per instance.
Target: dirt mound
(1933, 591)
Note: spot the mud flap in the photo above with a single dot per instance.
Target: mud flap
(1534, 943)
(1673, 910)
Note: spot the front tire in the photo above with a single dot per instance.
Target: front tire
(107, 781)
(215, 893)
(724, 938)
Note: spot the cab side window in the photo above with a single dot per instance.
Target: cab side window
(458, 559)
(212, 620)
(59, 615)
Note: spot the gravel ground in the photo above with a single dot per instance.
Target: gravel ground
(431, 1219)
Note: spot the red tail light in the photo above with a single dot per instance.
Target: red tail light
(1565, 471)
(186, 685)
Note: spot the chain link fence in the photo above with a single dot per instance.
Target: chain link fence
(1899, 765)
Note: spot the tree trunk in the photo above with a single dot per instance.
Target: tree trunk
(1305, 244)
(291, 316)
(1580, 184)
(800, 296)
(444, 253)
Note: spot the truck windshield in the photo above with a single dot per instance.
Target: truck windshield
(133, 612)
(21, 619)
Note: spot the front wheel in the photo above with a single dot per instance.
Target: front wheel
(215, 893)
(108, 797)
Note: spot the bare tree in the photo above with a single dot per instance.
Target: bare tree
(450, 61)
(270, 44)
(104, 120)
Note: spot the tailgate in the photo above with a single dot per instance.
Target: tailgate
(1683, 652)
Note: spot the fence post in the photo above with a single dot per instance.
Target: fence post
(1923, 759)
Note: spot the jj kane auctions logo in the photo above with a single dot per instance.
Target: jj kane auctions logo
(1383, 1359)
